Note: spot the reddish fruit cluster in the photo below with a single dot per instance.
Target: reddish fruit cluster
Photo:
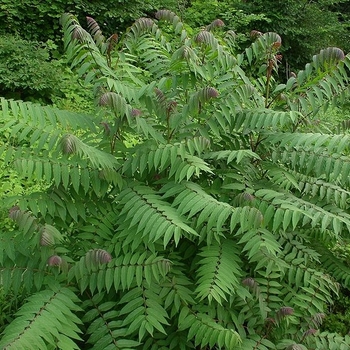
(54, 260)
(218, 23)
(135, 112)
(286, 311)
(249, 282)
(212, 93)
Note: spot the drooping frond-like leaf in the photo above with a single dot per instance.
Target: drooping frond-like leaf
(259, 120)
(20, 271)
(287, 210)
(153, 216)
(72, 29)
(175, 158)
(297, 155)
(145, 313)
(42, 117)
(219, 272)
(46, 319)
(97, 270)
(207, 332)
(72, 144)
(329, 77)
(325, 190)
(211, 215)
(49, 235)
(335, 266)
(236, 155)
(25, 220)
(104, 331)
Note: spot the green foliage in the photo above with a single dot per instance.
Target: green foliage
(200, 13)
(195, 208)
(306, 27)
(25, 70)
(72, 96)
(44, 321)
(29, 72)
(339, 317)
(34, 20)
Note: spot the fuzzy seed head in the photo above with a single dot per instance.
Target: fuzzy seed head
(333, 54)
(171, 106)
(165, 15)
(46, 239)
(135, 112)
(106, 99)
(160, 14)
(78, 33)
(145, 22)
(54, 260)
(255, 34)
(212, 93)
(112, 41)
(203, 37)
(14, 212)
(90, 21)
(318, 318)
(248, 197)
(159, 94)
(286, 311)
(68, 144)
(105, 257)
(161, 98)
(249, 282)
(99, 256)
(279, 57)
(185, 52)
(218, 23)
(310, 331)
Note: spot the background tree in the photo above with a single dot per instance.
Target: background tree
(28, 71)
(305, 26)
(33, 20)
(196, 208)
